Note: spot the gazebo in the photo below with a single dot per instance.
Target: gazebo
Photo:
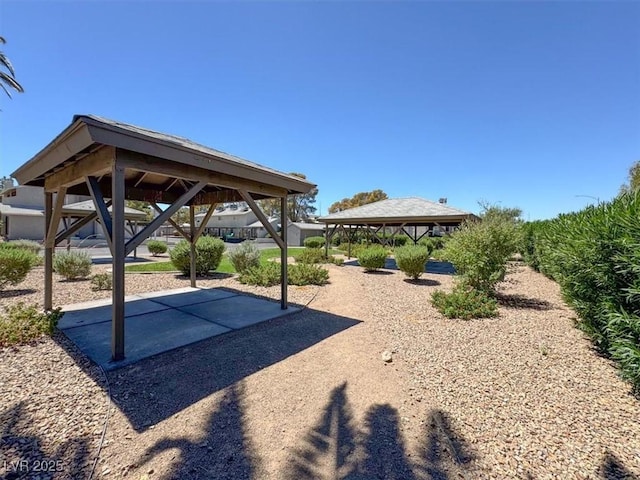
(114, 162)
(413, 216)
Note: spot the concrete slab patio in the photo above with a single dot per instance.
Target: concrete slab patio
(161, 321)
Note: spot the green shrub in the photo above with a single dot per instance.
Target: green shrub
(356, 248)
(30, 245)
(265, 275)
(72, 265)
(372, 258)
(307, 274)
(15, 264)
(433, 243)
(157, 247)
(339, 261)
(101, 281)
(244, 257)
(480, 251)
(412, 260)
(314, 242)
(268, 274)
(464, 303)
(311, 255)
(22, 323)
(208, 255)
(594, 255)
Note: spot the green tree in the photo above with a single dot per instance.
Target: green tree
(142, 206)
(7, 79)
(357, 200)
(181, 216)
(633, 179)
(494, 212)
(299, 207)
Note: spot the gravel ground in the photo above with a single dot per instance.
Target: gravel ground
(308, 396)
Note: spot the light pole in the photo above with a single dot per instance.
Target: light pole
(597, 199)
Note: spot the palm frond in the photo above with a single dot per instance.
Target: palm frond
(7, 63)
(5, 90)
(9, 80)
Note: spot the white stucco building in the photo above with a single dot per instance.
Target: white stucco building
(22, 214)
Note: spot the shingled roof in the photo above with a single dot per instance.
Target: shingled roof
(411, 210)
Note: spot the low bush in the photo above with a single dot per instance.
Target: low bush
(72, 265)
(157, 247)
(356, 248)
(23, 323)
(412, 260)
(311, 255)
(372, 258)
(30, 245)
(268, 274)
(101, 281)
(339, 261)
(314, 242)
(464, 303)
(244, 257)
(209, 252)
(433, 243)
(307, 274)
(265, 275)
(15, 264)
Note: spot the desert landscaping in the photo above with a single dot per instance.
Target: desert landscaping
(309, 395)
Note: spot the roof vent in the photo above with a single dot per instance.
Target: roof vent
(442, 200)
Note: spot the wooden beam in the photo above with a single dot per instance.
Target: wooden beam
(140, 179)
(205, 220)
(263, 219)
(56, 215)
(102, 210)
(94, 164)
(144, 163)
(48, 253)
(170, 220)
(169, 184)
(118, 255)
(78, 224)
(284, 273)
(160, 219)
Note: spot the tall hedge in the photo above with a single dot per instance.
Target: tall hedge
(594, 255)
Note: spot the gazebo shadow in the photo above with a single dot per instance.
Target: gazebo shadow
(145, 391)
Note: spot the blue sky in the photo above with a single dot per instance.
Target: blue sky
(520, 104)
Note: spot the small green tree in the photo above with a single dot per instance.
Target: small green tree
(480, 251)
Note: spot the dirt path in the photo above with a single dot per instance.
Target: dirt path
(330, 409)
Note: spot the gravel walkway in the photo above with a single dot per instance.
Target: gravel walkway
(308, 396)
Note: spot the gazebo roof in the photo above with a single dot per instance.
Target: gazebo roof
(164, 162)
(396, 211)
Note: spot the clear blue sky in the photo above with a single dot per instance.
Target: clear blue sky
(520, 104)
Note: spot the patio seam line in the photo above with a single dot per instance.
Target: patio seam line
(207, 320)
(194, 303)
(127, 316)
